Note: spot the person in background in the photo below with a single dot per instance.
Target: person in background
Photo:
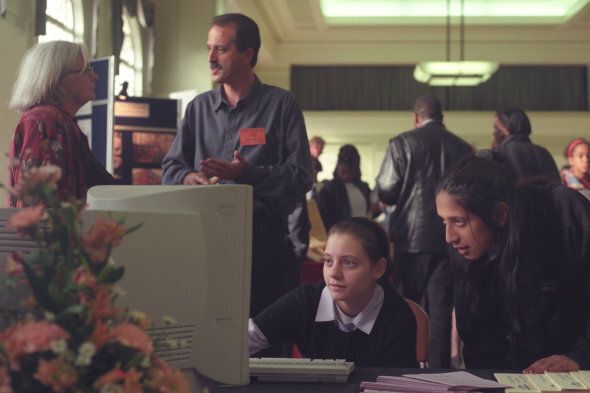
(346, 195)
(298, 220)
(54, 81)
(316, 146)
(246, 132)
(414, 162)
(512, 129)
(354, 314)
(520, 258)
(299, 224)
(316, 168)
(577, 174)
(298, 227)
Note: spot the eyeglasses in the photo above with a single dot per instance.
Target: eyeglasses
(86, 71)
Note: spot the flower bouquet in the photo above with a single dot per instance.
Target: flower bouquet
(74, 339)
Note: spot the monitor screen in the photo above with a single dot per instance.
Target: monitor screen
(190, 260)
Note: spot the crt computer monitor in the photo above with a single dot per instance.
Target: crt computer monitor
(191, 260)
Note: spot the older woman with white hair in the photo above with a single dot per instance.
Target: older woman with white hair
(53, 83)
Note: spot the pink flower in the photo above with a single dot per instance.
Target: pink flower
(101, 335)
(115, 375)
(30, 337)
(167, 380)
(48, 174)
(132, 336)
(26, 217)
(85, 278)
(101, 305)
(131, 380)
(57, 374)
(103, 235)
(5, 381)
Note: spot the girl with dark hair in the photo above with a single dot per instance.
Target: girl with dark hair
(512, 130)
(521, 258)
(354, 314)
(346, 195)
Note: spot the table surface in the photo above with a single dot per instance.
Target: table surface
(352, 386)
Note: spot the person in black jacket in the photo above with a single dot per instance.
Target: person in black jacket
(521, 259)
(413, 164)
(511, 138)
(354, 314)
(346, 195)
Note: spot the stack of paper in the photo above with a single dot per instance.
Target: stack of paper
(577, 381)
(431, 383)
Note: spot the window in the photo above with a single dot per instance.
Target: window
(64, 21)
(131, 59)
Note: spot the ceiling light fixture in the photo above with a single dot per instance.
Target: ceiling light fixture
(454, 73)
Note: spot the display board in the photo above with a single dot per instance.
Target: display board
(96, 117)
(143, 132)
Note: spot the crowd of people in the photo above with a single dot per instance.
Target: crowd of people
(499, 235)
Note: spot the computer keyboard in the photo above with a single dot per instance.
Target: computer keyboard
(300, 370)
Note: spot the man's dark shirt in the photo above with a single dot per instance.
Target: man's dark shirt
(279, 170)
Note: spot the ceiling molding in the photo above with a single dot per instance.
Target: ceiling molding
(278, 19)
(294, 32)
(270, 44)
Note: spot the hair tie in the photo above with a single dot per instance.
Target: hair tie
(572, 145)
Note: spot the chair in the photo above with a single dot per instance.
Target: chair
(422, 332)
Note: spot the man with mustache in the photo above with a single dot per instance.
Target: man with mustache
(247, 132)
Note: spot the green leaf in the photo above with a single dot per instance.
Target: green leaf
(39, 288)
(133, 229)
(110, 275)
(74, 309)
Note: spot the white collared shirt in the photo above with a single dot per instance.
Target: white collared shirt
(424, 122)
(356, 201)
(328, 311)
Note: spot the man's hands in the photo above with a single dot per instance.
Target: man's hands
(198, 178)
(222, 169)
(213, 170)
(555, 363)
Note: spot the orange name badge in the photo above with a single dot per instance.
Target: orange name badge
(252, 136)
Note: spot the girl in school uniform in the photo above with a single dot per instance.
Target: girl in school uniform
(354, 314)
(520, 258)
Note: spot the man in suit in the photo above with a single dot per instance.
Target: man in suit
(511, 138)
(414, 162)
